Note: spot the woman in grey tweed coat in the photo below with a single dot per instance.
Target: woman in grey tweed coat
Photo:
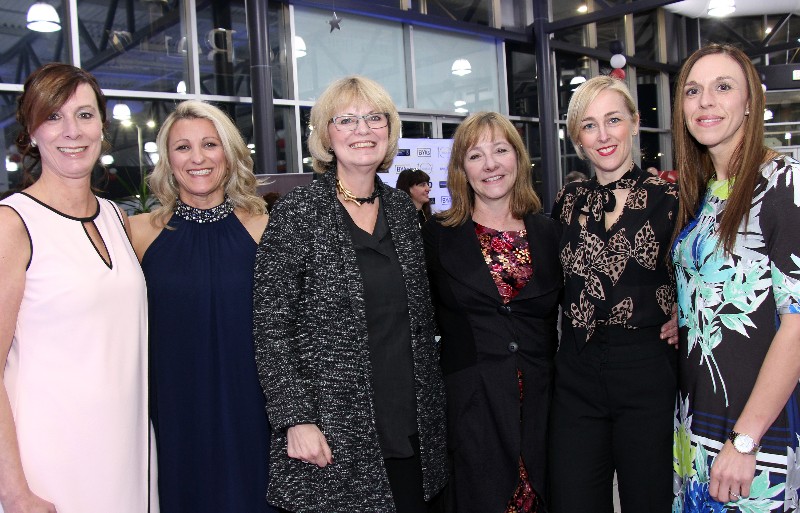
(344, 328)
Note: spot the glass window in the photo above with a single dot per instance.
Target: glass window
(474, 11)
(11, 170)
(571, 71)
(224, 51)
(23, 49)
(651, 150)
(523, 87)
(455, 73)
(568, 8)
(609, 31)
(362, 46)
(647, 92)
(134, 45)
(305, 123)
(645, 35)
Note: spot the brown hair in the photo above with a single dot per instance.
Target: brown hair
(45, 91)
(693, 161)
(240, 182)
(340, 94)
(411, 177)
(523, 198)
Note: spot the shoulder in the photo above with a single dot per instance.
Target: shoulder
(143, 233)
(15, 242)
(781, 168)
(655, 183)
(572, 189)
(255, 224)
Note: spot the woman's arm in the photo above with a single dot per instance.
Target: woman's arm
(777, 379)
(15, 495)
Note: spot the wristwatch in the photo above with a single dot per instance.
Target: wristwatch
(743, 444)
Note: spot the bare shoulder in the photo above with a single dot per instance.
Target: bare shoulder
(254, 224)
(143, 233)
(14, 238)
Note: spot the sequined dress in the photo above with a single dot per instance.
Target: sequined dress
(207, 406)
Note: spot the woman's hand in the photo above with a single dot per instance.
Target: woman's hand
(669, 331)
(731, 474)
(29, 503)
(307, 443)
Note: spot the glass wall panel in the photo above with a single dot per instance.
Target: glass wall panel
(11, 167)
(22, 50)
(645, 35)
(650, 144)
(224, 48)
(609, 31)
(455, 73)
(134, 45)
(305, 119)
(362, 46)
(568, 8)
(471, 11)
(523, 87)
(647, 92)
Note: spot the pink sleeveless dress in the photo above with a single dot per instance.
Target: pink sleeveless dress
(76, 374)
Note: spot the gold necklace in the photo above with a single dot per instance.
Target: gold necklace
(349, 196)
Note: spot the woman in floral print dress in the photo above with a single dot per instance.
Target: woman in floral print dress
(737, 425)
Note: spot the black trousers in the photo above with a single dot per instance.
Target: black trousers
(613, 408)
(405, 481)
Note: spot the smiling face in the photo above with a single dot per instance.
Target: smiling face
(491, 168)
(419, 194)
(198, 163)
(70, 139)
(714, 103)
(362, 149)
(606, 134)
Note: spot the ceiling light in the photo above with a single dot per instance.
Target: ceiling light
(461, 110)
(768, 115)
(459, 103)
(788, 136)
(106, 160)
(577, 79)
(42, 17)
(719, 8)
(768, 30)
(151, 123)
(299, 47)
(461, 67)
(121, 112)
(150, 147)
(583, 9)
(181, 89)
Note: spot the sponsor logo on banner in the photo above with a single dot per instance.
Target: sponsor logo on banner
(404, 152)
(443, 184)
(444, 152)
(433, 201)
(424, 152)
(426, 167)
(445, 200)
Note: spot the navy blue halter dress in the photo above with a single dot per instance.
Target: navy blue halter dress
(206, 403)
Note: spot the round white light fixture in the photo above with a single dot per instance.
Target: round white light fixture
(106, 160)
(121, 112)
(181, 89)
(461, 67)
(150, 147)
(43, 17)
(299, 47)
(461, 110)
(459, 103)
(768, 115)
(577, 80)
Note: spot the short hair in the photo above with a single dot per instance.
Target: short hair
(523, 198)
(45, 91)
(240, 182)
(411, 177)
(693, 161)
(583, 98)
(341, 94)
(575, 176)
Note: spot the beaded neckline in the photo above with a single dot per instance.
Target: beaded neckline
(209, 215)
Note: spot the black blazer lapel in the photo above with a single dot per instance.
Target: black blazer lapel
(462, 258)
(543, 246)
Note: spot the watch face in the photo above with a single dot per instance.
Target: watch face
(743, 443)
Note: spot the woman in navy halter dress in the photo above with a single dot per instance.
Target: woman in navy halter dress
(207, 406)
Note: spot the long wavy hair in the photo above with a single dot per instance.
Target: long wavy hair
(45, 91)
(240, 182)
(693, 160)
(352, 90)
(523, 198)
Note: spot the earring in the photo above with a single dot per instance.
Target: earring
(33, 143)
(102, 137)
(747, 111)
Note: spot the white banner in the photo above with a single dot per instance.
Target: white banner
(429, 155)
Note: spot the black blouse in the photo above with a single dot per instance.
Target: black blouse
(619, 276)
(388, 334)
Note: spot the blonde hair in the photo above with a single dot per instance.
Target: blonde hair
(240, 182)
(340, 94)
(523, 198)
(583, 98)
(693, 161)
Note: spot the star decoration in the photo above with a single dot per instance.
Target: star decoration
(334, 22)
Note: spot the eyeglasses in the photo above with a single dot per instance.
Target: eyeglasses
(349, 122)
(423, 184)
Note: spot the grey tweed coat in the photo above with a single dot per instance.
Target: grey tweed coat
(313, 358)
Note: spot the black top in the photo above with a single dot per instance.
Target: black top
(618, 276)
(388, 334)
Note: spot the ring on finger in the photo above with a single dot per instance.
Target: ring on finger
(735, 496)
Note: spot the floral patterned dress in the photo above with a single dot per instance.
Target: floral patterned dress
(728, 315)
(509, 260)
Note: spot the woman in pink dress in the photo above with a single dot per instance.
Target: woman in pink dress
(73, 354)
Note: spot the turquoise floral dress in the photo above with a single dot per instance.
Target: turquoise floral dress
(729, 307)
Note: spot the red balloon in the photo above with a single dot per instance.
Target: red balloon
(617, 73)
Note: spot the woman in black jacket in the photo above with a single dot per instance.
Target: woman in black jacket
(344, 326)
(495, 276)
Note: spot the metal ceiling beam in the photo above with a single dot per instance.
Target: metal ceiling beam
(604, 14)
